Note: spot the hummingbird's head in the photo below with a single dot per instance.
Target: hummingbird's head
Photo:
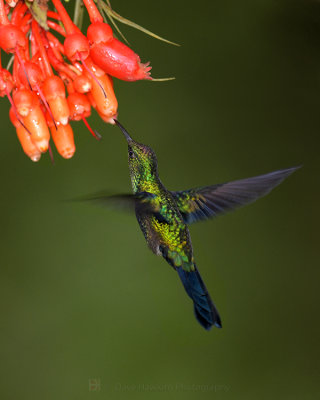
(142, 159)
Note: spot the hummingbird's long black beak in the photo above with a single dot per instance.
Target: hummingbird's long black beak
(124, 131)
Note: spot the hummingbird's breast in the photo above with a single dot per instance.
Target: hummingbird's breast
(165, 232)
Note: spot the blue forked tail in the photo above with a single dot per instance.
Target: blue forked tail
(204, 309)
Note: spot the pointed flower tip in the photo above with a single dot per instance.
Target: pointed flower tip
(43, 145)
(35, 157)
(68, 154)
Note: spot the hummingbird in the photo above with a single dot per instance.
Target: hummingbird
(164, 216)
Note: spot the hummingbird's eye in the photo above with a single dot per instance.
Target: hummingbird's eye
(131, 154)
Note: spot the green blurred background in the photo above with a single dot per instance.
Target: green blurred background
(82, 297)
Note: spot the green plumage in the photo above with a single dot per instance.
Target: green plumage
(163, 216)
(163, 227)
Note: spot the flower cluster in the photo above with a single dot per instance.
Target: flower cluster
(45, 68)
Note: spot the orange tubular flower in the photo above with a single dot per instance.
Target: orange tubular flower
(30, 149)
(28, 106)
(107, 107)
(54, 92)
(79, 106)
(52, 57)
(63, 140)
(102, 93)
(53, 87)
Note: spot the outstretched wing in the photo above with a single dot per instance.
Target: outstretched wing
(206, 202)
(123, 202)
(145, 201)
